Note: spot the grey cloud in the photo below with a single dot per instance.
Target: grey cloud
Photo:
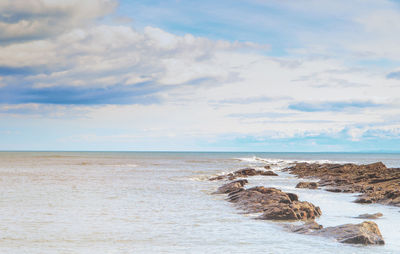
(22, 20)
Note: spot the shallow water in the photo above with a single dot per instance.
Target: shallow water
(109, 202)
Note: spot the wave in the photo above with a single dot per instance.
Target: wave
(280, 163)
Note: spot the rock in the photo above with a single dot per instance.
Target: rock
(268, 173)
(245, 172)
(267, 167)
(369, 216)
(230, 187)
(366, 232)
(307, 185)
(375, 182)
(275, 204)
(217, 178)
(308, 227)
(363, 200)
(292, 211)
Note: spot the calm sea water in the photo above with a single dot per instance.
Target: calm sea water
(139, 202)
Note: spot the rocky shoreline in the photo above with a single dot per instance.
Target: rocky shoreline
(274, 204)
(375, 182)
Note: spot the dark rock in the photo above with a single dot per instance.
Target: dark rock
(267, 167)
(307, 185)
(292, 196)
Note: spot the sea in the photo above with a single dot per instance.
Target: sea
(162, 202)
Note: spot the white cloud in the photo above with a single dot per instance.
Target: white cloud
(193, 76)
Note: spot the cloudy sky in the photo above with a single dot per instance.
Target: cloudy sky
(227, 75)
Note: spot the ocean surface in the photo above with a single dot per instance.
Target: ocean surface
(161, 202)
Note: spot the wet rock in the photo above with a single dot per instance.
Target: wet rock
(221, 177)
(245, 172)
(292, 196)
(230, 187)
(307, 185)
(369, 216)
(366, 232)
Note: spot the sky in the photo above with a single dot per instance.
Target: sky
(180, 75)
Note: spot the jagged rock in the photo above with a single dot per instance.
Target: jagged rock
(275, 204)
(369, 216)
(230, 187)
(307, 185)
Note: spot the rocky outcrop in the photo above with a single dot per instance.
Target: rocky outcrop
(369, 216)
(375, 182)
(274, 204)
(366, 232)
(307, 185)
(245, 172)
(232, 186)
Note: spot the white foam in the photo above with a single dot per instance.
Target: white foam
(280, 163)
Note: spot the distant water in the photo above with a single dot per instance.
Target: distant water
(142, 202)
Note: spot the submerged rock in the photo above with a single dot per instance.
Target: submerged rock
(307, 185)
(369, 216)
(308, 227)
(268, 173)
